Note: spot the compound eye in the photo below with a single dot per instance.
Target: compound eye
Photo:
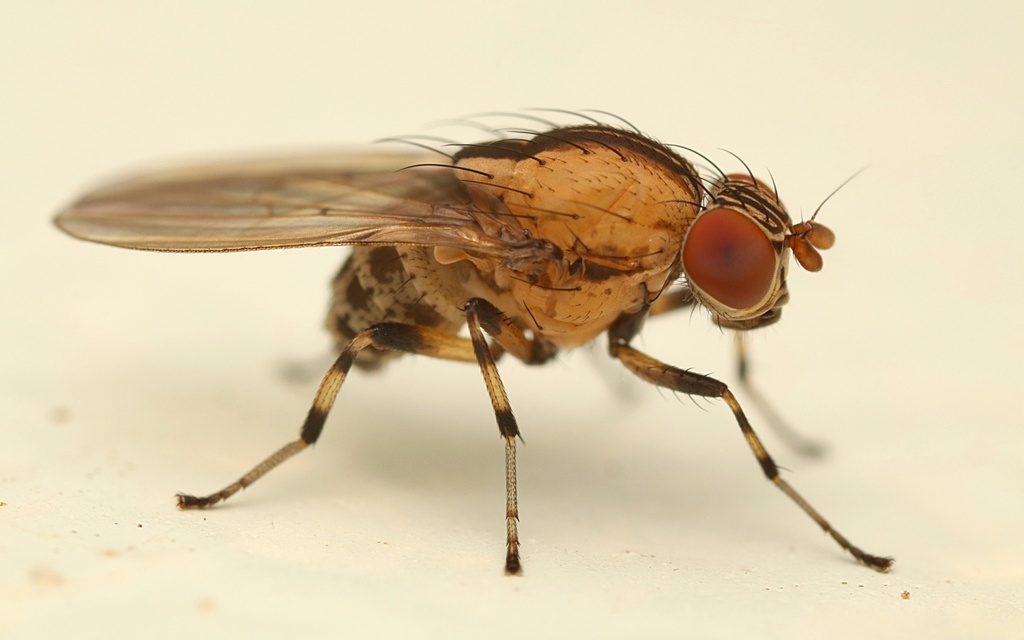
(729, 257)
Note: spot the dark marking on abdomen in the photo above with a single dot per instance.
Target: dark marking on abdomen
(377, 285)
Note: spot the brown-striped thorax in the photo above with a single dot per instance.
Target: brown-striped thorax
(529, 244)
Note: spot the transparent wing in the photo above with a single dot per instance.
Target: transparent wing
(356, 198)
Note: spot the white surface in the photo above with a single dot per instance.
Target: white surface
(127, 376)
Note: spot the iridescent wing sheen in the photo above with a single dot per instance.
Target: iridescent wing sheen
(340, 199)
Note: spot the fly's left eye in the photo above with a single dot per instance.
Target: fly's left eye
(729, 258)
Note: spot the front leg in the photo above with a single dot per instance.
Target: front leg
(675, 379)
(682, 298)
(797, 441)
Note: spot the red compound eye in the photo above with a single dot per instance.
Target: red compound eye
(729, 258)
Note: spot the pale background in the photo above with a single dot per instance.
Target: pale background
(126, 376)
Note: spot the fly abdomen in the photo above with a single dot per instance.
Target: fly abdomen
(393, 284)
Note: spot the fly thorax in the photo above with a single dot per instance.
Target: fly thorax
(612, 206)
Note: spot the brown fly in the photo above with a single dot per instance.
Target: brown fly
(532, 243)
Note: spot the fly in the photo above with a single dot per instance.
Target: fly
(532, 244)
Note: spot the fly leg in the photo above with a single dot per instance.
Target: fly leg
(803, 445)
(675, 379)
(673, 300)
(481, 317)
(386, 335)
(800, 443)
